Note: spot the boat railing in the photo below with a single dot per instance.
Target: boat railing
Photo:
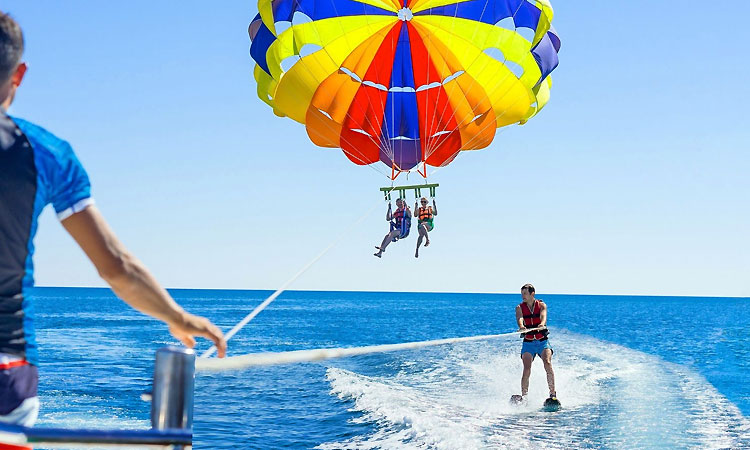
(171, 414)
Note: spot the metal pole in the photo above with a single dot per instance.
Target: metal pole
(174, 379)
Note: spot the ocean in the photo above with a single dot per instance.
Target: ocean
(632, 372)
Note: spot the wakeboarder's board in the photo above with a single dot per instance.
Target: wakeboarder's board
(552, 404)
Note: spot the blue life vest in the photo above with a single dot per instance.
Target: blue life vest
(402, 223)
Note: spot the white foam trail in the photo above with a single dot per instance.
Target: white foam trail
(613, 397)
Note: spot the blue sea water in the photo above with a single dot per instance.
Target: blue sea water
(632, 372)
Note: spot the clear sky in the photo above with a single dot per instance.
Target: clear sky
(633, 180)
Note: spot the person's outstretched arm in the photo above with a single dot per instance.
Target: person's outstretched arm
(132, 281)
(388, 214)
(434, 207)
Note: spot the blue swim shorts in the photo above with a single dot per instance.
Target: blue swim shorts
(19, 403)
(535, 347)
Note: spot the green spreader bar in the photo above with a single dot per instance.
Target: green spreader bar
(417, 188)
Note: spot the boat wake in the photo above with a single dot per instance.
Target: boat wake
(613, 397)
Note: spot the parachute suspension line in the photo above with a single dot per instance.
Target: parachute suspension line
(441, 139)
(429, 150)
(383, 141)
(258, 309)
(297, 356)
(492, 124)
(485, 97)
(483, 128)
(303, 61)
(423, 170)
(430, 122)
(387, 192)
(384, 134)
(457, 152)
(380, 142)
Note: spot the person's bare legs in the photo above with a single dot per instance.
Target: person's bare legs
(547, 360)
(422, 234)
(527, 358)
(387, 240)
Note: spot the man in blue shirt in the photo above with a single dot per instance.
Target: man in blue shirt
(36, 169)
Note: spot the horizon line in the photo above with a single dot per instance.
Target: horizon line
(406, 292)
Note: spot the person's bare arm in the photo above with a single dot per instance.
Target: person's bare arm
(519, 318)
(434, 207)
(388, 214)
(132, 281)
(543, 315)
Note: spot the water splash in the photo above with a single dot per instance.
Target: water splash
(613, 397)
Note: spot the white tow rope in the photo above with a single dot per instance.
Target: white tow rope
(273, 359)
(204, 363)
(286, 285)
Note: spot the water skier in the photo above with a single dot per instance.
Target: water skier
(36, 169)
(531, 313)
(400, 225)
(426, 215)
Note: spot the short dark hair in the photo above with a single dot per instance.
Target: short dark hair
(529, 287)
(11, 46)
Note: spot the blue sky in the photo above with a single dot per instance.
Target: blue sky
(633, 180)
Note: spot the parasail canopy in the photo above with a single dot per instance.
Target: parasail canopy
(404, 82)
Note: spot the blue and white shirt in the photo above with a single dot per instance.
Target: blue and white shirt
(36, 169)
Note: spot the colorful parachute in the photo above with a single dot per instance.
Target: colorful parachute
(404, 83)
